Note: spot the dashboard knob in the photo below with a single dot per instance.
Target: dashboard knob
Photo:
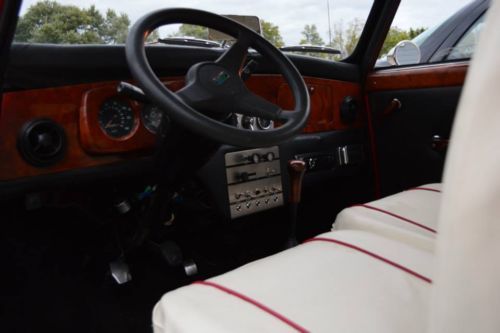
(245, 176)
(270, 156)
(254, 158)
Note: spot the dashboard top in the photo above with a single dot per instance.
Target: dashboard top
(35, 66)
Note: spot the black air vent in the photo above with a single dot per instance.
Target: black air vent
(42, 142)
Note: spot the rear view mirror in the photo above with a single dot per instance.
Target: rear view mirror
(405, 52)
(251, 22)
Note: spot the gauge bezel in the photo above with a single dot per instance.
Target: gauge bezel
(255, 123)
(135, 119)
(259, 124)
(94, 140)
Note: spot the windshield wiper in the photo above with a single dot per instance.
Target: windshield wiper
(189, 41)
(310, 48)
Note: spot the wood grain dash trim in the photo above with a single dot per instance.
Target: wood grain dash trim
(418, 77)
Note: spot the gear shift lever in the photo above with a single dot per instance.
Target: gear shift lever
(296, 170)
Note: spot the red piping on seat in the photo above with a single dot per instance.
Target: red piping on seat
(255, 303)
(371, 254)
(397, 216)
(424, 189)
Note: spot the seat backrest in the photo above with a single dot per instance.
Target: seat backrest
(466, 289)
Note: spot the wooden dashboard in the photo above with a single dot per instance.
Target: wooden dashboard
(75, 109)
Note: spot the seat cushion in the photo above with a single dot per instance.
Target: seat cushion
(341, 281)
(410, 216)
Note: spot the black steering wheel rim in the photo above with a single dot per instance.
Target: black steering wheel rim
(188, 116)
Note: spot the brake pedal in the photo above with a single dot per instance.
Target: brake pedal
(190, 267)
(172, 255)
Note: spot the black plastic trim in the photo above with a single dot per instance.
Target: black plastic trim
(142, 166)
(36, 66)
(374, 34)
(8, 23)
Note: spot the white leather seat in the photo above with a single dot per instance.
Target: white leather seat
(351, 280)
(370, 281)
(410, 216)
(466, 292)
(306, 286)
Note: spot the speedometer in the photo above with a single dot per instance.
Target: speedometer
(116, 118)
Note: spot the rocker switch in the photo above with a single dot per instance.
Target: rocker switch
(245, 176)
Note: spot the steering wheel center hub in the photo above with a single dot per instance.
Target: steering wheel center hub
(217, 80)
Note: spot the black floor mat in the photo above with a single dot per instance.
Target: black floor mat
(54, 265)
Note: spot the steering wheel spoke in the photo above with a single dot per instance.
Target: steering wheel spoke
(250, 104)
(186, 95)
(193, 95)
(288, 115)
(234, 58)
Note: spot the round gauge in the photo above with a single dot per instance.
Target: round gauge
(254, 123)
(264, 124)
(116, 118)
(248, 122)
(151, 118)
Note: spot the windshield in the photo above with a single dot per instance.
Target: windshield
(335, 25)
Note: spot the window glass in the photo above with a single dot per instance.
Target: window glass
(419, 36)
(328, 29)
(466, 45)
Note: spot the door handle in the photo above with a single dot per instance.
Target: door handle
(393, 106)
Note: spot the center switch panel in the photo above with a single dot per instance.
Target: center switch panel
(254, 180)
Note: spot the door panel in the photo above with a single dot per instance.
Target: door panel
(405, 138)
(406, 153)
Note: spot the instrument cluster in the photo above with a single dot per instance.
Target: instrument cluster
(112, 123)
(118, 120)
(253, 123)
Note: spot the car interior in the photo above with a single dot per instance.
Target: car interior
(180, 188)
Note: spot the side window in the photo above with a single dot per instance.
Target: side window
(466, 45)
(419, 39)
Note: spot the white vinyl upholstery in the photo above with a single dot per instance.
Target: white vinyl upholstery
(320, 286)
(466, 295)
(410, 216)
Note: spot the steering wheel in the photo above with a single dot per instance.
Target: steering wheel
(215, 87)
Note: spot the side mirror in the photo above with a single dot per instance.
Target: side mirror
(405, 52)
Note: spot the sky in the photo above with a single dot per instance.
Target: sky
(289, 15)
